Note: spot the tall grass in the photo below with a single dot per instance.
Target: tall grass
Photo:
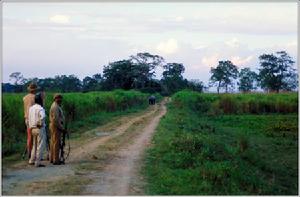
(251, 103)
(76, 106)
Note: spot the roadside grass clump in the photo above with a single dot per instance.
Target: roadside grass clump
(228, 153)
(82, 111)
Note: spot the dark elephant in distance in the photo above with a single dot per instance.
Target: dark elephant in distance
(152, 100)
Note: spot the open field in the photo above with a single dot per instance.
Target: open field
(83, 111)
(210, 144)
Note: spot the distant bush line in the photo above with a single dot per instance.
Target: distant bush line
(248, 103)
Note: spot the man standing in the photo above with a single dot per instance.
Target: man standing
(57, 121)
(36, 121)
(28, 101)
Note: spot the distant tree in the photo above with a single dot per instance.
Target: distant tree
(196, 85)
(68, 83)
(276, 72)
(223, 75)
(172, 80)
(247, 80)
(173, 70)
(89, 84)
(49, 84)
(152, 86)
(98, 78)
(17, 78)
(144, 68)
(119, 75)
(136, 72)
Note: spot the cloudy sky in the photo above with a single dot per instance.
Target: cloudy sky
(48, 39)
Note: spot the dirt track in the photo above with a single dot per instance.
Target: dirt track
(98, 165)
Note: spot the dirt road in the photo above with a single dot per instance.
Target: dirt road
(105, 161)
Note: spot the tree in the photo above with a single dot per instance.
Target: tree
(276, 72)
(119, 75)
(68, 83)
(196, 85)
(223, 75)
(247, 80)
(49, 84)
(17, 77)
(172, 80)
(98, 78)
(136, 72)
(144, 68)
(89, 84)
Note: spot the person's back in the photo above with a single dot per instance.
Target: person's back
(28, 101)
(36, 116)
(36, 122)
(56, 128)
(56, 116)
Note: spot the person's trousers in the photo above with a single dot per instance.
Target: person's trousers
(55, 144)
(29, 139)
(38, 145)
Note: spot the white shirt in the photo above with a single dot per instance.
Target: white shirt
(36, 114)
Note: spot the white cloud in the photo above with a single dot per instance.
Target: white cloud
(179, 19)
(239, 61)
(200, 47)
(211, 60)
(292, 44)
(168, 47)
(63, 19)
(199, 41)
(234, 43)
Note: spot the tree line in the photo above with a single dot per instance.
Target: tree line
(276, 73)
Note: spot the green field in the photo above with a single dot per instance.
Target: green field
(238, 144)
(82, 110)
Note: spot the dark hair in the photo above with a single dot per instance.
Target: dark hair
(38, 99)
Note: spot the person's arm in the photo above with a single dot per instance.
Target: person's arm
(42, 116)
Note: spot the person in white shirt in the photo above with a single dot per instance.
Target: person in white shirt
(36, 120)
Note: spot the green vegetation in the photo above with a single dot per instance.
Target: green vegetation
(252, 103)
(82, 110)
(211, 144)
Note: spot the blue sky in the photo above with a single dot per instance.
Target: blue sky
(48, 39)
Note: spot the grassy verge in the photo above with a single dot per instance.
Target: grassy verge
(196, 153)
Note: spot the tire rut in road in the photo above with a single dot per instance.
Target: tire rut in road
(120, 176)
